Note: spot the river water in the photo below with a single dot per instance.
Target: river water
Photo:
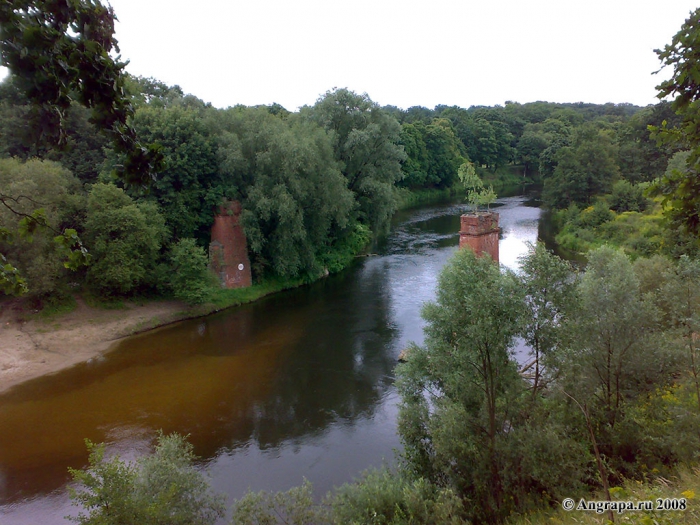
(297, 385)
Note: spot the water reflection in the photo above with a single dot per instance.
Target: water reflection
(298, 385)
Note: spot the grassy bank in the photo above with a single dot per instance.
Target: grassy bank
(638, 233)
(336, 262)
(220, 299)
(227, 298)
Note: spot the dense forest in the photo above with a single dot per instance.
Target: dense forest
(114, 196)
(315, 185)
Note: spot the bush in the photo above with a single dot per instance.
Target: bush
(48, 190)
(293, 507)
(160, 489)
(383, 497)
(125, 238)
(340, 255)
(596, 215)
(190, 278)
(627, 197)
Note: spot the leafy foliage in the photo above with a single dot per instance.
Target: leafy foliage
(365, 142)
(189, 186)
(680, 188)
(190, 278)
(38, 200)
(382, 497)
(462, 381)
(379, 497)
(164, 488)
(126, 238)
(296, 204)
(61, 50)
(293, 507)
(627, 197)
(582, 171)
(477, 194)
(549, 287)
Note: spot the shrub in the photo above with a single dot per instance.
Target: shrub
(190, 278)
(293, 507)
(627, 197)
(125, 238)
(382, 497)
(164, 488)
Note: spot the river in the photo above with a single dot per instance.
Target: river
(297, 385)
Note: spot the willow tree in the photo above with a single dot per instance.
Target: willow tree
(549, 285)
(458, 389)
(366, 144)
(294, 196)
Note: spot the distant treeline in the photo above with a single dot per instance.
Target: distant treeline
(315, 185)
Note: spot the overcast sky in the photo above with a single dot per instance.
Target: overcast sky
(401, 52)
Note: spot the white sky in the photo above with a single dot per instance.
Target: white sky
(403, 53)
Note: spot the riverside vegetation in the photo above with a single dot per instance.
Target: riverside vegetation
(612, 394)
(315, 185)
(609, 399)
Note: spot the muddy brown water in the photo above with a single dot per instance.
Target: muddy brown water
(298, 385)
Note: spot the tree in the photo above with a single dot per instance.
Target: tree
(530, 147)
(189, 187)
(296, 204)
(151, 91)
(60, 51)
(680, 189)
(612, 330)
(641, 158)
(549, 289)
(457, 390)
(444, 152)
(493, 140)
(433, 154)
(366, 143)
(615, 362)
(627, 197)
(126, 238)
(41, 206)
(583, 171)
(21, 134)
(477, 193)
(415, 167)
(164, 488)
(190, 278)
(681, 292)
(559, 134)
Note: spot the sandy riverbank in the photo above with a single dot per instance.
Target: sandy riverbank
(32, 346)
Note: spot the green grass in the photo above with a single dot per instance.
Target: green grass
(57, 305)
(104, 303)
(226, 298)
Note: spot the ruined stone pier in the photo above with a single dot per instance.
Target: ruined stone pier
(479, 231)
(228, 251)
